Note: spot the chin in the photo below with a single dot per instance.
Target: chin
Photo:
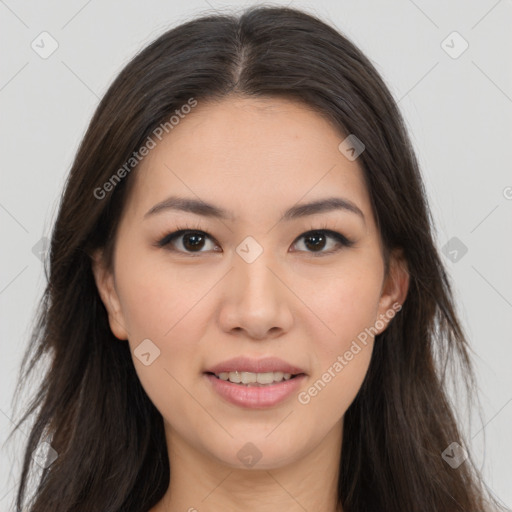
(256, 454)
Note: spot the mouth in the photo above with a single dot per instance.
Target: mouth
(246, 392)
(251, 379)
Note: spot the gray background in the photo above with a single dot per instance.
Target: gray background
(458, 110)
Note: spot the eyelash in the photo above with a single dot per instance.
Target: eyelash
(342, 240)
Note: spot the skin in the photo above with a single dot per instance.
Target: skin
(255, 158)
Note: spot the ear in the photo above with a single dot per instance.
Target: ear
(105, 283)
(394, 290)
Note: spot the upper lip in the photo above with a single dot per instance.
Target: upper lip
(246, 364)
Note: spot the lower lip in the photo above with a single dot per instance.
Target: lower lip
(255, 397)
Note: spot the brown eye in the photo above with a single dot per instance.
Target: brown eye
(189, 241)
(185, 241)
(316, 241)
(193, 241)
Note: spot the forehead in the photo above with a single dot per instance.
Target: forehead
(247, 154)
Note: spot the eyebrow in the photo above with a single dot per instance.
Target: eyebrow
(204, 209)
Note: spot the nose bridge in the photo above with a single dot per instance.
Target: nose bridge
(256, 299)
(255, 282)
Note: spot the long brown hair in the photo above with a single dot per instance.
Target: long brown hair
(91, 408)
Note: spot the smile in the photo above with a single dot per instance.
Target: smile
(255, 395)
(251, 378)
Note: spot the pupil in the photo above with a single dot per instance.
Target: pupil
(192, 241)
(195, 241)
(316, 237)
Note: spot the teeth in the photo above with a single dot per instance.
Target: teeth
(254, 378)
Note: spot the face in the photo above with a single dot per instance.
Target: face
(307, 287)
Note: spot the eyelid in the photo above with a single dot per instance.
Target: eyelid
(167, 239)
(342, 240)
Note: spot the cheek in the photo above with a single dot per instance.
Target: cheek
(345, 308)
(155, 299)
(345, 301)
(158, 306)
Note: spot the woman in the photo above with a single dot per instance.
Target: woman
(245, 303)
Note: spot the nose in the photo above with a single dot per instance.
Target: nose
(256, 299)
